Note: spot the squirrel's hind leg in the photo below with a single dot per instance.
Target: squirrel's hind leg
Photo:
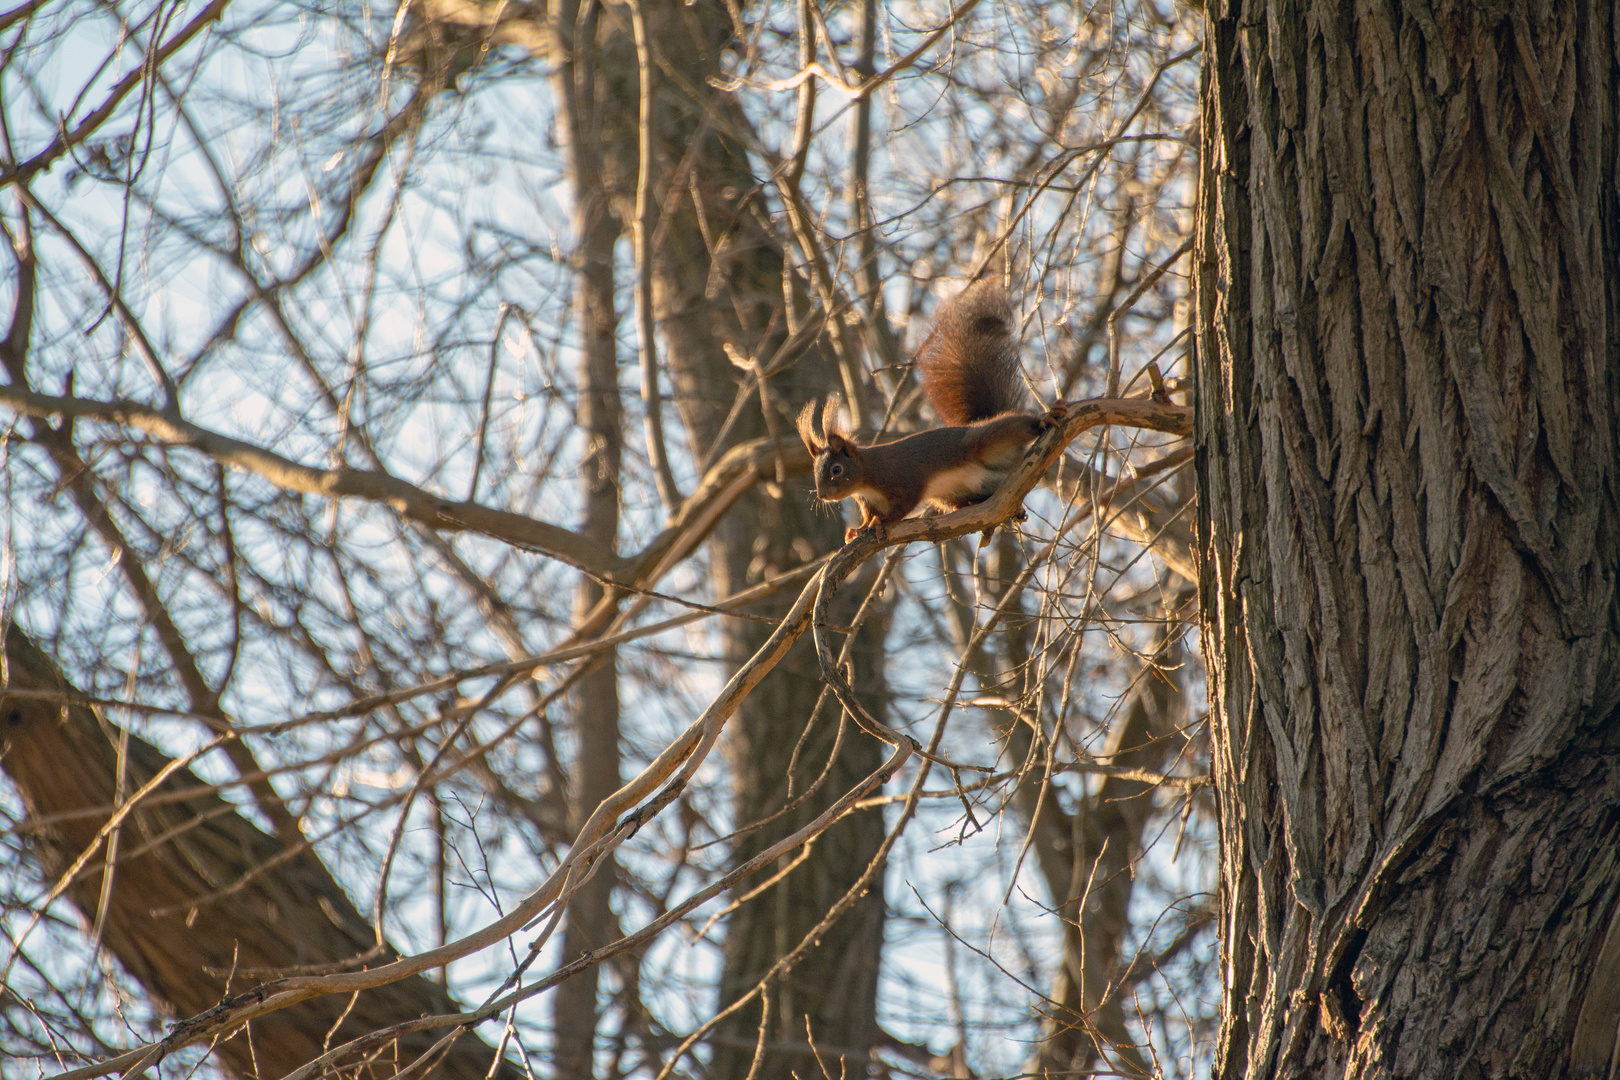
(1018, 517)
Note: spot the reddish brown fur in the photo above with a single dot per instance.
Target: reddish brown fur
(969, 364)
(969, 369)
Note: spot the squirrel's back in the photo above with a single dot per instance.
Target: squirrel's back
(969, 364)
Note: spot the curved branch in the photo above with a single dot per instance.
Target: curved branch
(612, 822)
(852, 800)
(726, 482)
(1150, 413)
(65, 139)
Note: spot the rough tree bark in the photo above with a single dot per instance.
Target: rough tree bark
(1407, 362)
(203, 903)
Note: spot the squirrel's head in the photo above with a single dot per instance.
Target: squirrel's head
(837, 460)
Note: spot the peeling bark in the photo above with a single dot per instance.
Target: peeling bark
(1408, 345)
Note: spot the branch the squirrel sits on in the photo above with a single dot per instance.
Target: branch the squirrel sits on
(968, 367)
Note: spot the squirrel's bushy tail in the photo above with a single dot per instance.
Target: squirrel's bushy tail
(969, 364)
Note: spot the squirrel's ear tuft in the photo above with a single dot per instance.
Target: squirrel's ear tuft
(831, 422)
(807, 429)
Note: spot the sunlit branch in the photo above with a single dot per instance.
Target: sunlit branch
(66, 140)
(737, 471)
(611, 823)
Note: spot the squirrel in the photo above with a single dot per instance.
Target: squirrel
(968, 366)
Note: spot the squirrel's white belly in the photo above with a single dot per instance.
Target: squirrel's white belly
(966, 483)
(869, 496)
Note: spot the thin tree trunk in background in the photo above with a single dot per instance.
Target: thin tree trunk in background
(595, 700)
(1105, 841)
(880, 336)
(830, 997)
(201, 907)
(1408, 351)
(718, 280)
(1086, 854)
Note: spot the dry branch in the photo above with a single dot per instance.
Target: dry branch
(611, 823)
(1153, 415)
(61, 759)
(722, 486)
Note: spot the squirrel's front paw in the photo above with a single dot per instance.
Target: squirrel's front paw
(875, 529)
(1056, 415)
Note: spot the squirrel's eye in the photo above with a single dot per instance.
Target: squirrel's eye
(837, 471)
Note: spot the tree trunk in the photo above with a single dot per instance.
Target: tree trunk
(829, 1000)
(202, 904)
(1087, 853)
(1407, 362)
(595, 701)
(1085, 1019)
(717, 279)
